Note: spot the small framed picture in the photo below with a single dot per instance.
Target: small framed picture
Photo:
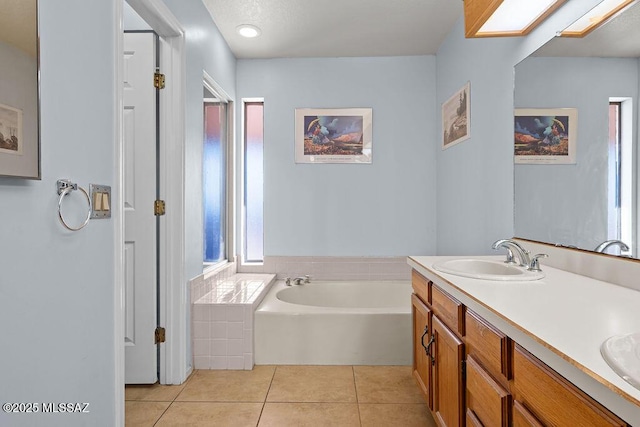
(11, 141)
(455, 117)
(333, 135)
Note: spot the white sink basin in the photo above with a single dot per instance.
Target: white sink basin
(486, 270)
(622, 353)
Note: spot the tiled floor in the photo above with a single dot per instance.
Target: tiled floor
(283, 396)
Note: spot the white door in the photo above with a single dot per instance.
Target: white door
(139, 118)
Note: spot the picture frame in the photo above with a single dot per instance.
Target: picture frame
(545, 135)
(11, 141)
(19, 156)
(333, 135)
(456, 112)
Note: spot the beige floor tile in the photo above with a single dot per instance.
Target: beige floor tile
(142, 414)
(312, 384)
(195, 414)
(386, 384)
(228, 386)
(393, 414)
(154, 392)
(309, 415)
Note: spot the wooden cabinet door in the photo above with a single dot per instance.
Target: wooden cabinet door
(448, 382)
(522, 417)
(421, 336)
(487, 400)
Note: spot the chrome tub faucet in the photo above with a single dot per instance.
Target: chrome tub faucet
(297, 280)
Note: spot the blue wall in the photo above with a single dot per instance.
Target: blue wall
(57, 287)
(379, 209)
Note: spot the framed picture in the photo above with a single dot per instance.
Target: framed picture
(545, 135)
(455, 117)
(19, 157)
(11, 141)
(330, 135)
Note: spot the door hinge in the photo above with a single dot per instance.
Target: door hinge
(158, 80)
(159, 208)
(160, 335)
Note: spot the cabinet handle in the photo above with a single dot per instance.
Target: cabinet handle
(433, 359)
(426, 349)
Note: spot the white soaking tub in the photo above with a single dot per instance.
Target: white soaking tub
(335, 323)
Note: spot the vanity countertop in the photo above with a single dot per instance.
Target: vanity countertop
(568, 314)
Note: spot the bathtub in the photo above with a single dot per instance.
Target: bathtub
(335, 323)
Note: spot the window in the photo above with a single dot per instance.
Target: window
(620, 176)
(214, 182)
(253, 225)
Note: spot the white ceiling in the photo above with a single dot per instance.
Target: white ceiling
(335, 28)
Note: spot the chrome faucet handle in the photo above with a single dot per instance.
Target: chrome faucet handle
(287, 281)
(535, 262)
(510, 259)
(301, 280)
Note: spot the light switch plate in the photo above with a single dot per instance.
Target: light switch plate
(98, 192)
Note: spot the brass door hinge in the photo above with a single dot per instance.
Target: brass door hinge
(158, 80)
(159, 208)
(160, 335)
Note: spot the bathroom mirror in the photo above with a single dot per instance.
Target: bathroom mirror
(584, 204)
(19, 110)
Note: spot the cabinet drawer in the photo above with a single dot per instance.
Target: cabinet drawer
(486, 399)
(552, 399)
(488, 345)
(472, 420)
(522, 417)
(448, 309)
(421, 286)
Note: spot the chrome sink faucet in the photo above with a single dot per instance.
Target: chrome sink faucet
(513, 248)
(604, 245)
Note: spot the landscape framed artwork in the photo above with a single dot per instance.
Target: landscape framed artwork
(455, 117)
(545, 135)
(333, 135)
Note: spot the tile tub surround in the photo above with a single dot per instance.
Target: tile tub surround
(222, 321)
(205, 282)
(333, 268)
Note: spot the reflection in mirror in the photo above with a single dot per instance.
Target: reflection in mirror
(19, 143)
(594, 200)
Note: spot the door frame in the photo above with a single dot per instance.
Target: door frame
(174, 367)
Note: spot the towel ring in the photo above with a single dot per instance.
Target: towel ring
(65, 187)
